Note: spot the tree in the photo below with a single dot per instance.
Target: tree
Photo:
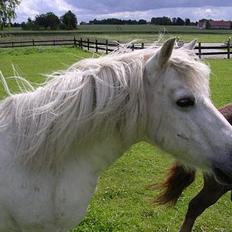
(179, 21)
(53, 21)
(161, 21)
(30, 25)
(41, 21)
(174, 21)
(69, 20)
(187, 22)
(48, 20)
(207, 24)
(142, 21)
(7, 11)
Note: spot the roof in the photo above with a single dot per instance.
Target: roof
(220, 23)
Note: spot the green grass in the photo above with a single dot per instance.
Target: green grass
(221, 81)
(124, 33)
(122, 202)
(122, 37)
(152, 37)
(33, 63)
(149, 28)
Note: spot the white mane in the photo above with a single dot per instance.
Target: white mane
(93, 98)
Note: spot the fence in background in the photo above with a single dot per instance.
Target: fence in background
(88, 44)
(108, 46)
(211, 50)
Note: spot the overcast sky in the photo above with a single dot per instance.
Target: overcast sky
(128, 9)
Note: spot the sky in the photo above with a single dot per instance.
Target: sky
(86, 10)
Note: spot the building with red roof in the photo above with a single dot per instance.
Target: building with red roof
(214, 24)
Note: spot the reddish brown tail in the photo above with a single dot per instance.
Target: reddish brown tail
(177, 180)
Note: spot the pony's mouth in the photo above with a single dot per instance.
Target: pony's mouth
(222, 177)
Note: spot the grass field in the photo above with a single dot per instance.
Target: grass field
(123, 33)
(122, 37)
(150, 38)
(121, 202)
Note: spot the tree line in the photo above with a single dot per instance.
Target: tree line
(154, 20)
(42, 21)
(50, 21)
(69, 21)
(115, 21)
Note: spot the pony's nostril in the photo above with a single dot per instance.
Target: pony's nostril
(222, 176)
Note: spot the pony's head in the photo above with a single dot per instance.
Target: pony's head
(181, 117)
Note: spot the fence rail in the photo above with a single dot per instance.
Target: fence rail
(109, 46)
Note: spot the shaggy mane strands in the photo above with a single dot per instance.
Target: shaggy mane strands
(93, 95)
(94, 98)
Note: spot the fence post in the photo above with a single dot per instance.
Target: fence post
(133, 47)
(88, 44)
(80, 44)
(142, 45)
(228, 48)
(54, 43)
(74, 42)
(33, 42)
(199, 49)
(107, 43)
(12, 44)
(96, 45)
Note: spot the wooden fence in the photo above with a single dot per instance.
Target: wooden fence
(214, 50)
(93, 45)
(108, 46)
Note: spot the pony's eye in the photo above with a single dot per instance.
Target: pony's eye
(186, 102)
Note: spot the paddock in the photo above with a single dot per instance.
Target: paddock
(122, 202)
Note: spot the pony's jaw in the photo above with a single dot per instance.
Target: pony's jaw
(199, 136)
(202, 138)
(221, 156)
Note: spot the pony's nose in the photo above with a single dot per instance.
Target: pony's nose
(223, 175)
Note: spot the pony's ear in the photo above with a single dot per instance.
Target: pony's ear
(190, 46)
(162, 56)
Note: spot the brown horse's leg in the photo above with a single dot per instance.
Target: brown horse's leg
(209, 194)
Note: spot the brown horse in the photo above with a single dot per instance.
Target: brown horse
(180, 177)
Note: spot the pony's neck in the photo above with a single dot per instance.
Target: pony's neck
(99, 155)
(79, 108)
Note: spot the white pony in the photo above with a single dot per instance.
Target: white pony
(56, 139)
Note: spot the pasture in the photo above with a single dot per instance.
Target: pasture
(123, 33)
(122, 37)
(122, 202)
